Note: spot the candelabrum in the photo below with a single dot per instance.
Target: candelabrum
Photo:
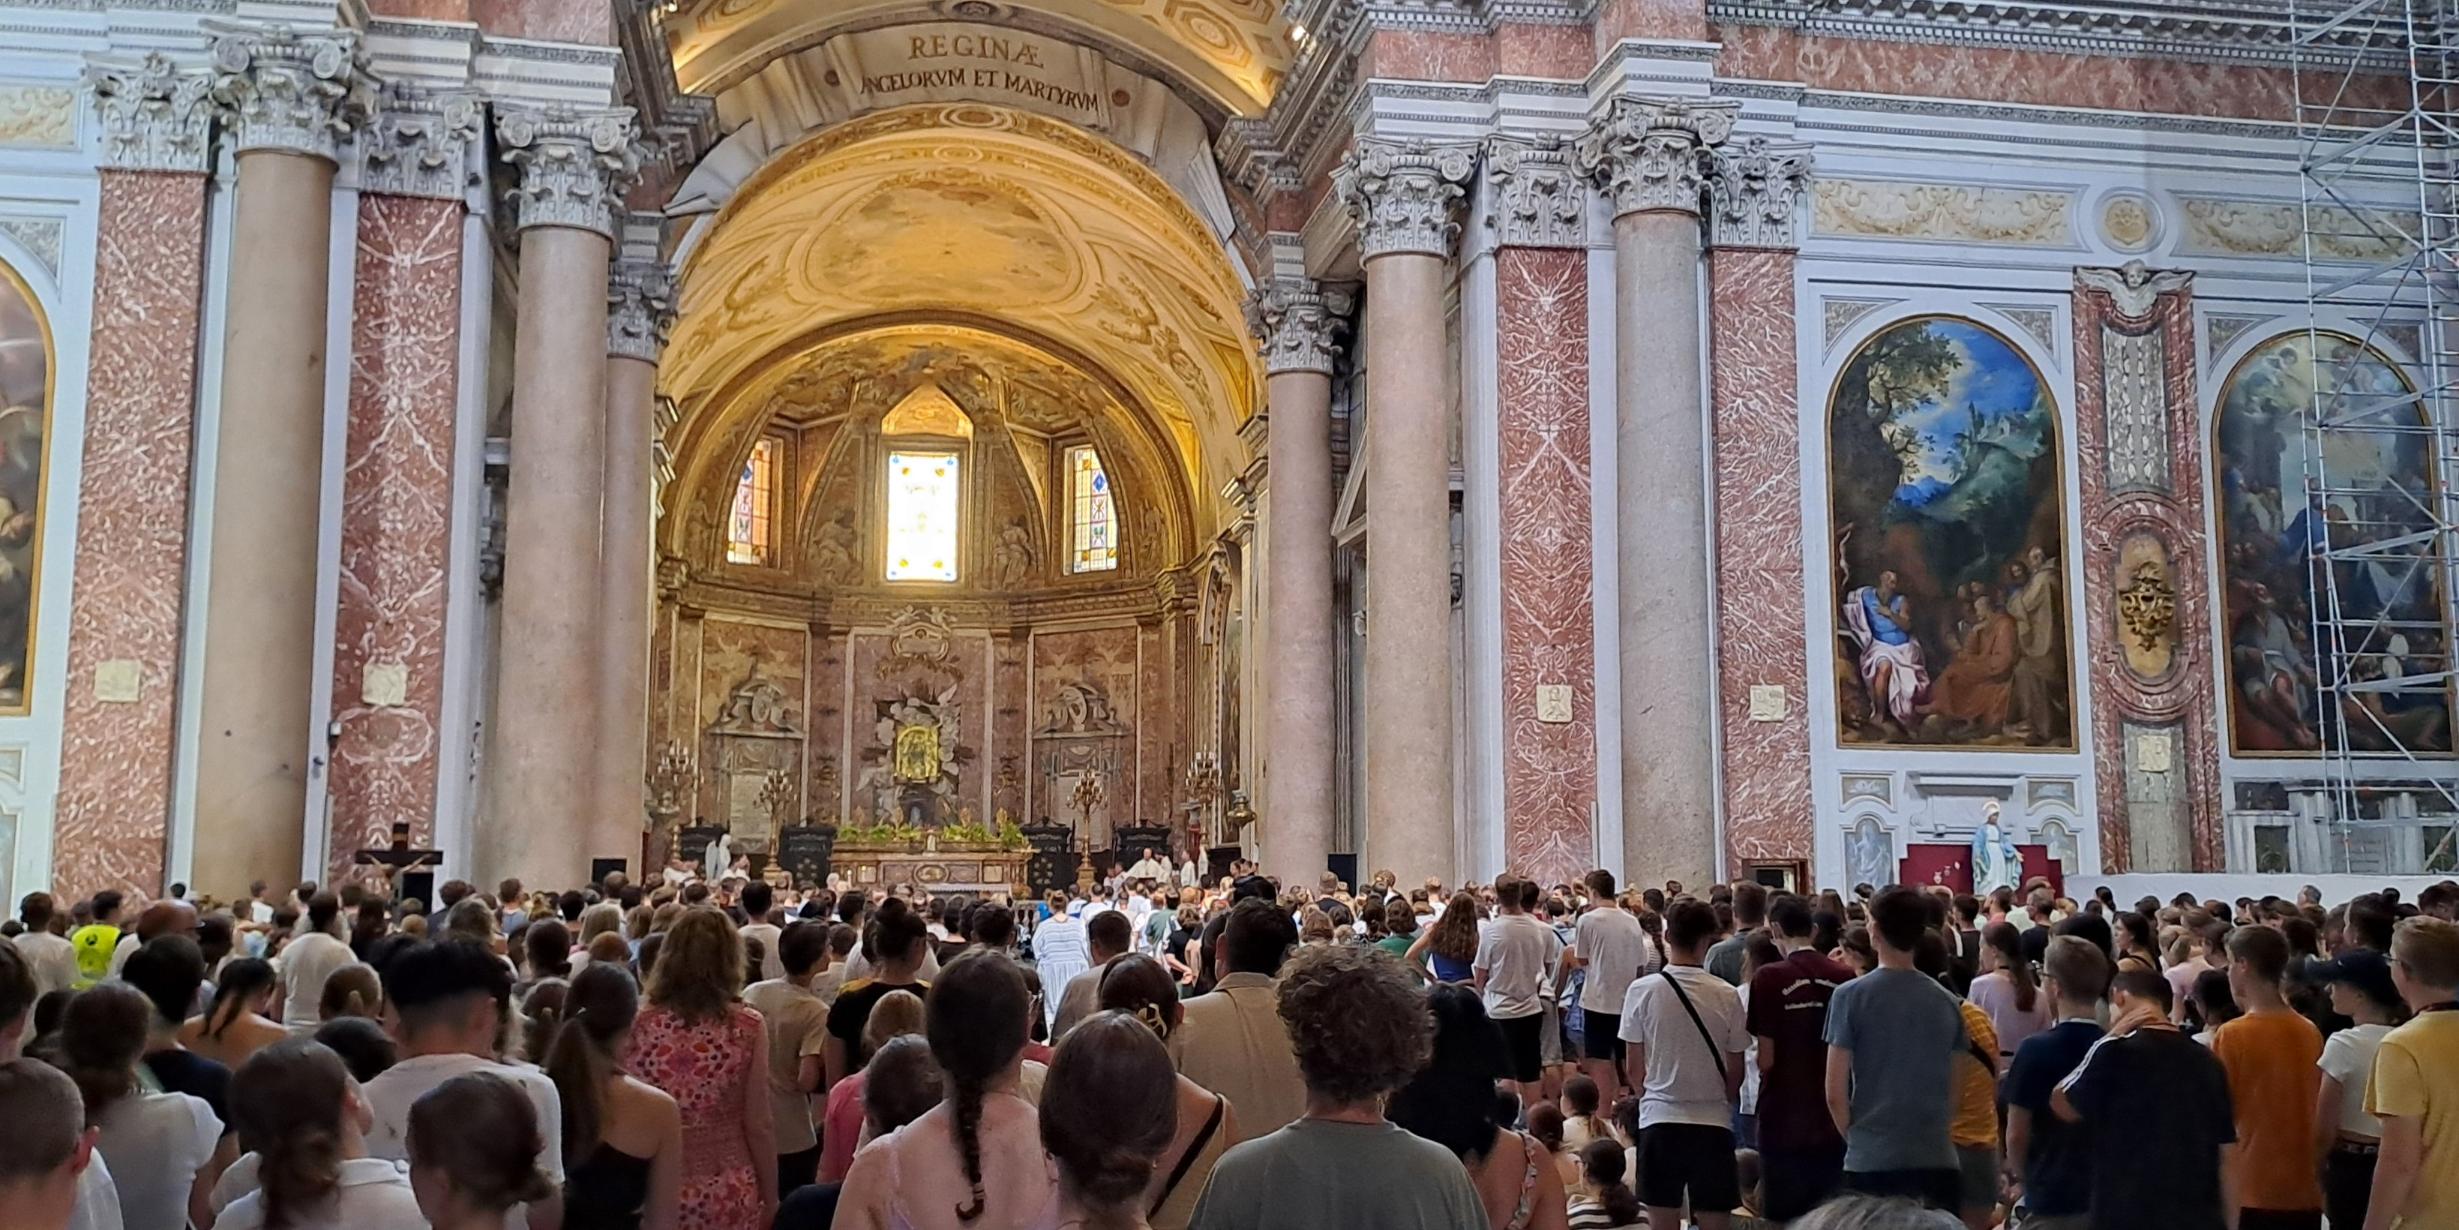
(1088, 796)
(670, 782)
(777, 798)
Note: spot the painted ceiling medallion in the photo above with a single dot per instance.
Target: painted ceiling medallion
(2129, 221)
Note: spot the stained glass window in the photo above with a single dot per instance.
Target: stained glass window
(1092, 514)
(922, 508)
(749, 528)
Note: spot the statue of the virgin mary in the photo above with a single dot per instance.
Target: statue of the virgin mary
(1996, 863)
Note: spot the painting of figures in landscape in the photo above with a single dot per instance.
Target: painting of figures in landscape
(25, 393)
(2379, 469)
(1950, 587)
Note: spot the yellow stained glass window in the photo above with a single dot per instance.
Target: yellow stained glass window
(1092, 514)
(750, 527)
(922, 510)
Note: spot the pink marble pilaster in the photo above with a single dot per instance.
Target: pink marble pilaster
(1549, 619)
(2167, 506)
(396, 521)
(1760, 613)
(132, 533)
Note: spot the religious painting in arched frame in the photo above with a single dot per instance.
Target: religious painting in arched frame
(2376, 474)
(28, 369)
(1946, 503)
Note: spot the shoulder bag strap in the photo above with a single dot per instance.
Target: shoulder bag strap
(1714, 1052)
(1195, 1149)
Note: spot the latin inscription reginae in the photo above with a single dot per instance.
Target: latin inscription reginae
(1003, 73)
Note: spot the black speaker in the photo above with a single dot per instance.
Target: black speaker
(600, 868)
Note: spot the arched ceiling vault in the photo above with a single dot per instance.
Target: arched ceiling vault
(1232, 53)
(967, 212)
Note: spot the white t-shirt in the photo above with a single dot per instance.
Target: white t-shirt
(98, 1199)
(1616, 950)
(772, 966)
(260, 912)
(391, 1095)
(52, 959)
(1682, 1083)
(1517, 954)
(309, 959)
(119, 956)
(374, 1194)
(2349, 1056)
(162, 1140)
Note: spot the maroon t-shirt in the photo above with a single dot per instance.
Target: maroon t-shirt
(1788, 1007)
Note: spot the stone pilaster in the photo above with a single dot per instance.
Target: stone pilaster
(1405, 197)
(1299, 326)
(1754, 199)
(290, 101)
(127, 604)
(1650, 159)
(639, 312)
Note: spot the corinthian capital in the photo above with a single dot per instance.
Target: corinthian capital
(1538, 200)
(155, 115)
(1299, 324)
(296, 93)
(1755, 192)
(419, 144)
(1404, 194)
(1648, 154)
(640, 309)
(575, 166)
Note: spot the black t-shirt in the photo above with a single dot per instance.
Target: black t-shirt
(852, 1011)
(2058, 1167)
(189, 1072)
(2156, 1108)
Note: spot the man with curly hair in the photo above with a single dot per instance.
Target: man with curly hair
(1361, 1029)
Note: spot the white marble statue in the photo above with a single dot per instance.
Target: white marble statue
(1996, 863)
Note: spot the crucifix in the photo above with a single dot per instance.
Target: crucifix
(401, 866)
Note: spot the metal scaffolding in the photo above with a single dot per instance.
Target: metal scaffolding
(2380, 206)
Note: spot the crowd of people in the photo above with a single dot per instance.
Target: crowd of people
(1243, 1055)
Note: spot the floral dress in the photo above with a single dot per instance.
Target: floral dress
(701, 1064)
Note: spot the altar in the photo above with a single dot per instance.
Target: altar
(932, 864)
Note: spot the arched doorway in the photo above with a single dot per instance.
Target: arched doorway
(944, 550)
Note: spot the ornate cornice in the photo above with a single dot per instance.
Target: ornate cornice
(1536, 197)
(1299, 324)
(1755, 193)
(156, 116)
(1649, 154)
(2134, 288)
(293, 93)
(640, 309)
(419, 144)
(576, 166)
(2200, 31)
(1404, 194)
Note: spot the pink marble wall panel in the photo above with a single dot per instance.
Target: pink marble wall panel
(1657, 19)
(1991, 74)
(1538, 50)
(825, 684)
(1418, 55)
(1011, 725)
(132, 534)
(421, 10)
(965, 668)
(662, 689)
(1105, 658)
(2184, 696)
(396, 520)
(1760, 616)
(1549, 622)
(1157, 743)
(554, 21)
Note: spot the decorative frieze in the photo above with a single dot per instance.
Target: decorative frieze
(640, 310)
(419, 144)
(1405, 194)
(576, 166)
(156, 116)
(1650, 154)
(294, 93)
(2222, 226)
(38, 117)
(1299, 324)
(1891, 209)
(1537, 200)
(1755, 193)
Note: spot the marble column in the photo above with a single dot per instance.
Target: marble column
(389, 658)
(639, 311)
(290, 98)
(1405, 197)
(1648, 156)
(118, 744)
(540, 822)
(1755, 416)
(1538, 214)
(1298, 326)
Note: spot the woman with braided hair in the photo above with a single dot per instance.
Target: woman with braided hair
(1141, 988)
(975, 1161)
(1107, 1113)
